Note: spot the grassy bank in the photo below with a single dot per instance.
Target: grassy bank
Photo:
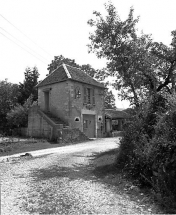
(107, 170)
(15, 145)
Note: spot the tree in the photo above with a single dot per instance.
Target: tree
(142, 67)
(109, 98)
(58, 60)
(28, 87)
(8, 99)
(88, 69)
(18, 116)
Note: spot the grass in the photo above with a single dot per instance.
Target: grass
(107, 170)
(15, 145)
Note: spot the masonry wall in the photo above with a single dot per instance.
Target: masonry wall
(58, 99)
(78, 109)
(37, 126)
(62, 103)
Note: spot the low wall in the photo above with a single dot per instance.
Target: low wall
(117, 133)
(37, 126)
(67, 135)
(20, 131)
(24, 132)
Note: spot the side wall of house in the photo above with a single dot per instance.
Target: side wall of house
(58, 99)
(37, 126)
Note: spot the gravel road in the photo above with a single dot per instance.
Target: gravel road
(62, 182)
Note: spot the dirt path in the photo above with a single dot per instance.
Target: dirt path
(66, 182)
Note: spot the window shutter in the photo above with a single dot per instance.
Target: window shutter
(93, 96)
(85, 95)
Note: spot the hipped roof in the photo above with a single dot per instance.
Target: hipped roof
(65, 72)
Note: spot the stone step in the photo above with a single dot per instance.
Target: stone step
(55, 119)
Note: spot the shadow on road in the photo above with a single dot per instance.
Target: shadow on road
(75, 172)
(102, 170)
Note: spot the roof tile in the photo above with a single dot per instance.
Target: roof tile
(58, 75)
(81, 76)
(61, 74)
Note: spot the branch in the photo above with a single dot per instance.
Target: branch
(169, 91)
(167, 80)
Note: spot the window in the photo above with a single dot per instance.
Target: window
(99, 118)
(77, 93)
(89, 96)
(77, 119)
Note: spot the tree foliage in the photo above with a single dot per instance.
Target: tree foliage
(145, 73)
(28, 87)
(58, 60)
(18, 116)
(148, 150)
(142, 67)
(8, 99)
(109, 98)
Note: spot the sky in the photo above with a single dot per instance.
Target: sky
(32, 32)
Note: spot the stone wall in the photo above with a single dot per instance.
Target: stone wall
(58, 99)
(67, 135)
(63, 104)
(37, 126)
(78, 108)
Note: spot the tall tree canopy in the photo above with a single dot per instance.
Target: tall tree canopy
(109, 100)
(27, 88)
(58, 60)
(8, 99)
(142, 67)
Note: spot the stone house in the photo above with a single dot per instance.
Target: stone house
(68, 100)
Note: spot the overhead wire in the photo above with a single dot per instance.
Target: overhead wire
(25, 35)
(23, 48)
(23, 43)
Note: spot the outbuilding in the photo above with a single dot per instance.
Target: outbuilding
(114, 120)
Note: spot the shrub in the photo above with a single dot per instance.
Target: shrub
(18, 116)
(148, 147)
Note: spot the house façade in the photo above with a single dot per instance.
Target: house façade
(68, 98)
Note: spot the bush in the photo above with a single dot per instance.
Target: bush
(134, 150)
(18, 116)
(148, 147)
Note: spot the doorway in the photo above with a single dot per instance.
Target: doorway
(46, 97)
(89, 125)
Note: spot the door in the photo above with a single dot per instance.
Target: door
(46, 96)
(89, 125)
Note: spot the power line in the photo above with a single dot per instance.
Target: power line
(25, 35)
(22, 48)
(23, 43)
